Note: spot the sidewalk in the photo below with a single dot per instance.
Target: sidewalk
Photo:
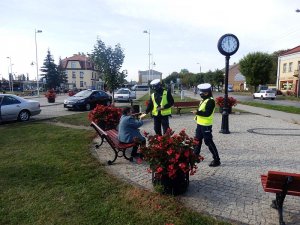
(289, 117)
(233, 191)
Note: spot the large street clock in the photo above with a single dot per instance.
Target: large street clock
(228, 44)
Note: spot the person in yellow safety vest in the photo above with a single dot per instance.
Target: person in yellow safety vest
(204, 118)
(160, 104)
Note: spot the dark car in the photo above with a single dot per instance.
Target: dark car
(87, 100)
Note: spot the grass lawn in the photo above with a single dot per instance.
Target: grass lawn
(49, 176)
(289, 109)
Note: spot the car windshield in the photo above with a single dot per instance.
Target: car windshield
(122, 91)
(85, 93)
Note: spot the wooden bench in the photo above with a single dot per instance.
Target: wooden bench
(281, 184)
(180, 105)
(111, 136)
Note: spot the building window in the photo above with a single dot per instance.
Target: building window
(81, 74)
(73, 74)
(73, 65)
(284, 67)
(290, 66)
(81, 83)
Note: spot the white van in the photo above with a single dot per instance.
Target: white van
(140, 88)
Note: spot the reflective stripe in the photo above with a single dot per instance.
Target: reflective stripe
(164, 101)
(202, 120)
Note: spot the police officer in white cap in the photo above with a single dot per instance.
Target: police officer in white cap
(160, 104)
(204, 118)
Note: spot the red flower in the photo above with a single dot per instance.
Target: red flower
(159, 169)
(231, 101)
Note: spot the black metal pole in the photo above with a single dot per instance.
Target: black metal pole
(225, 114)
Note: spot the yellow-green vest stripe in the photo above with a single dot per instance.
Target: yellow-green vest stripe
(205, 121)
(164, 101)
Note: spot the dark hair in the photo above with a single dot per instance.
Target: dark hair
(126, 110)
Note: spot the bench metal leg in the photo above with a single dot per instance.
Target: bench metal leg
(98, 145)
(120, 153)
(278, 202)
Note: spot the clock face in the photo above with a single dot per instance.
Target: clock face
(228, 44)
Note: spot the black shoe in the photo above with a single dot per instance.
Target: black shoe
(215, 163)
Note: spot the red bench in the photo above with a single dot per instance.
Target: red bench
(111, 136)
(281, 184)
(180, 105)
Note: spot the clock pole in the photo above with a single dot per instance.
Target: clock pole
(228, 45)
(225, 113)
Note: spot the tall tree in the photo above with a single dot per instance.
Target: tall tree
(63, 79)
(257, 68)
(50, 72)
(109, 62)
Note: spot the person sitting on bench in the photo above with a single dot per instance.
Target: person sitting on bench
(129, 130)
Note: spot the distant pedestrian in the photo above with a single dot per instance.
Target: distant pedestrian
(195, 90)
(204, 118)
(160, 104)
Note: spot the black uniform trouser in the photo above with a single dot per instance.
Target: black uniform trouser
(161, 121)
(205, 132)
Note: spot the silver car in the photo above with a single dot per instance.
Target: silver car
(13, 107)
(125, 95)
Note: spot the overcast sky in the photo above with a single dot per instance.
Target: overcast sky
(183, 33)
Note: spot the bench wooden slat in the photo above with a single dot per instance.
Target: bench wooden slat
(111, 136)
(190, 104)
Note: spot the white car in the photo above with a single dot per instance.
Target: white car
(13, 107)
(124, 94)
(265, 94)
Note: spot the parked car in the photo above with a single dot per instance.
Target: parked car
(13, 107)
(87, 100)
(140, 88)
(265, 94)
(124, 94)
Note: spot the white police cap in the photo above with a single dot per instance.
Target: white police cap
(206, 87)
(155, 82)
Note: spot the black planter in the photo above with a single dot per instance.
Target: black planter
(51, 100)
(175, 186)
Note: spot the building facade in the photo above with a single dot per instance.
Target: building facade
(235, 79)
(81, 73)
(147, 76)
(288, 71)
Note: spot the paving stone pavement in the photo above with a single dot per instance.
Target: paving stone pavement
(233, 191)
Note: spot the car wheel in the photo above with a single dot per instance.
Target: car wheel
(261, 97)
(24, 115)
(87, 107)
(272, 98)
(253, 96)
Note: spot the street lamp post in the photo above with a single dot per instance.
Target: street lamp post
(36, 62)
(148, 32)
(200, 67)
(10, 75)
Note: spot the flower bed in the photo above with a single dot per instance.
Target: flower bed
(170, 158)
(107, 117)
(231, 101)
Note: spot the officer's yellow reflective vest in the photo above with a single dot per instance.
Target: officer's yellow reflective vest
(202, 120)
(164, 101)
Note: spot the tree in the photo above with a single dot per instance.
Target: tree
(109, 61)
(62, 76)
(50, 72)
(257, 68)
